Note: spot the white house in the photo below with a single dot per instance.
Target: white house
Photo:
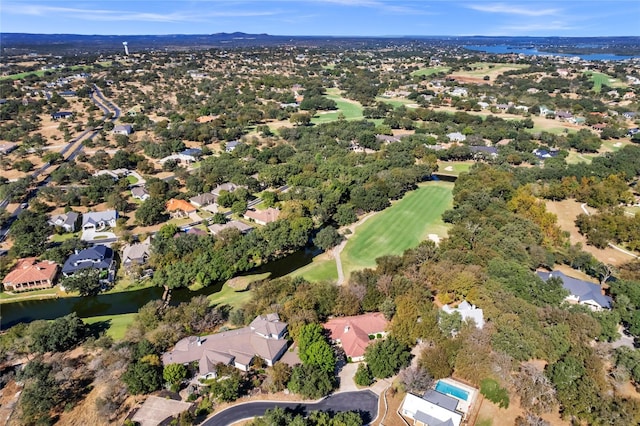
(467, 311)
(437, 410)
(123, 129)
(99, 220)
(456, 137)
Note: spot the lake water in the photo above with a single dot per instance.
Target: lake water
(130, 301)
(503, 48)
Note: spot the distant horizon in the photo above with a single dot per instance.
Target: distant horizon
(325, 18)
(323, 35)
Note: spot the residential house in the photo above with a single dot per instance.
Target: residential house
(483, 105)
(136, 254)
(7, 147)
(542, 154)
(544, 111)
(179, 208)
(434, 409)
(203, 200)
(68, 93)
(262, 217)
(633, 131)
(563, 115)
(140, 193)
(114, 174)
(629, 115)
(216, 228)
(456, 137)
(459, 92)
(196, 231)
(99, 220)
(264, 337)
(468, 312)
(123, 129)
(67, 221)
(582, 292)
(135, 110)
(484, 151)
(61, 114)
(31, 274)
(180, 158)
(97, 257)
(193, 152)
(231, 146)
(353, 332)
(387, 139)
(227, 186)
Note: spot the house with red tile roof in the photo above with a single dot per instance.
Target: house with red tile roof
(353, 332)
(262, 216)
(31, 274)
(179, 208)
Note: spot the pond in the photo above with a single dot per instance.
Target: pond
(130, 301)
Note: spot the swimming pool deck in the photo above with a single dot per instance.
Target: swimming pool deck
(463, 406)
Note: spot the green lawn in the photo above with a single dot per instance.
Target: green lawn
(321, 269)
(33, 295)
(454, 167)
(553, 130)
(350, 109)
(117, 324)
(429, 71)
(59, 238)
(132, 179)
(40, 73)
(575, 158)
(600, 79)
(396, 102)
(235, 292)
(399, 227)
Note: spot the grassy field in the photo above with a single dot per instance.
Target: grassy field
(322, 268)
(40, 73)
(429, 71)
(480, 69)
(235, 292)
(35, 294)
(117, 323)
(396, 102)
(600, 79)
(454, 167)
(399, 227)
(350, 109)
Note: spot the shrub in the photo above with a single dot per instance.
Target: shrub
(363, 376)
(491, 390)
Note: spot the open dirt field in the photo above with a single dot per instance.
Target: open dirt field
(567, 211)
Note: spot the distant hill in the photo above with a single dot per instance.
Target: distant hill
(73, 43)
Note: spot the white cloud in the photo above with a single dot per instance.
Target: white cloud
(513, 10)
(123, 15)
(388, 7)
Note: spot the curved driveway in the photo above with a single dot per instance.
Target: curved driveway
(364, 402)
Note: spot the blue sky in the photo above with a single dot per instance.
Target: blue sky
(325, 17)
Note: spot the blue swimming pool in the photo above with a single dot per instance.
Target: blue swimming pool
(454, 391)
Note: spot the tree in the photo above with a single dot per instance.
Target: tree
(151, 212)
(363, 376)
(536, 392)
(328, 237)
(386, 357)
(314, 349)
(227, 389)
(345, 215)
(86, 282)
(30, 232)
(142, 377)
(415, 379)
(311, 381)
(58, 335)
(277, 377)
(174, 373)
(300, 118)
(491, 390)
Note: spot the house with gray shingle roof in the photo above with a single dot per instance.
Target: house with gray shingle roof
(264, 337)
(99, 220)
(582, 292)
(67, 221)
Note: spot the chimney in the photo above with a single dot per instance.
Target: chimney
(199, 341)
(346, 328)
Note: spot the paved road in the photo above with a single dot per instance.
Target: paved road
(365, 402)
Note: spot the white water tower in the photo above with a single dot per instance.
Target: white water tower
(126, 48)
